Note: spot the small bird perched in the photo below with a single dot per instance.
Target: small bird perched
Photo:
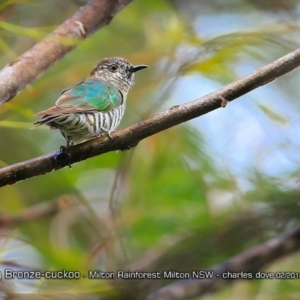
(94, 106)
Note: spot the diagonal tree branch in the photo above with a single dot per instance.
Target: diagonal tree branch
(245, 263)
(90, 17)
(132, 135)
(34, 212)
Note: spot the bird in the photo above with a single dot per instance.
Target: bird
(94, 106)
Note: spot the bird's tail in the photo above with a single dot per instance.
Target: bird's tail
(46, 120)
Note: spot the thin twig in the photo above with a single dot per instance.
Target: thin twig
(34, 212)
(132, 135)
(90, 17)
(242, 265)
(122, 169)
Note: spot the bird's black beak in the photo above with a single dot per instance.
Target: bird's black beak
(137, 68)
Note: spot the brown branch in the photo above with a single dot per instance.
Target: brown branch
(248, 262)
(32, 213)
(20, 72)
(132, 135)
(36, 211)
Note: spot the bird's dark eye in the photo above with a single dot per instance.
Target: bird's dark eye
(113, 68)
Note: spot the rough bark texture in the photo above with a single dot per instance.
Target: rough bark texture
(131, 136)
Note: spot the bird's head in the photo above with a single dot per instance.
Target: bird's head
(118, 71)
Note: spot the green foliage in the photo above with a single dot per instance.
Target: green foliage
(195, 194)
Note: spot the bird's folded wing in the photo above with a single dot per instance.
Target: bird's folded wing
(89, 95)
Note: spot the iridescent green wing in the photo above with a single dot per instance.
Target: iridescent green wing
(91, 94)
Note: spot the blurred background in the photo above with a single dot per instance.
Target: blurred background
(184, 199)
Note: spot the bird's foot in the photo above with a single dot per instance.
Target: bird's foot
(81, 28)
(63, 158)
(63, 148)
(224, 102)
(107, 134)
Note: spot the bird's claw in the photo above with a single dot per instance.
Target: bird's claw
(108, 135)
(63, 158)
(81, 28)
(62, 148)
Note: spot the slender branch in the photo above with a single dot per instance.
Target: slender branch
(34, 212)
(132, 135)
(20, 72)
(248, 262)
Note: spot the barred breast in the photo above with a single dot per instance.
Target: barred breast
(79, 127)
